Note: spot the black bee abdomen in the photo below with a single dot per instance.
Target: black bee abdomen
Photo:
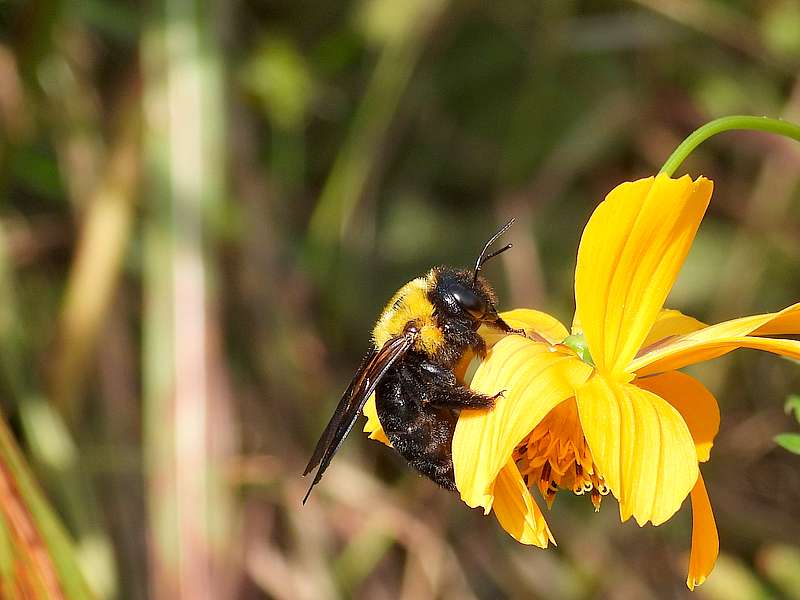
(418, 403)
(421, 432)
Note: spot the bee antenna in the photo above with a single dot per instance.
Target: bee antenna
(483, 257)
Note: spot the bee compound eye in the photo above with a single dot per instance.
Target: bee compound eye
(470, 302)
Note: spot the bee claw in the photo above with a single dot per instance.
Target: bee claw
(500, 394)
(536, 337)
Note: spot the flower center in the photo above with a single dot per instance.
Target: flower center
(555, 456)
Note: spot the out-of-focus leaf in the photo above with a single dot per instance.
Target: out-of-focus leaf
(336, 51)
(114, 18)
(781, 565)
(744, 91)
(38, 172)
(789, 441)
(389, 22)
(779, 29)
(733, 580)
(361, 555)
(793, 406)
(277, 74)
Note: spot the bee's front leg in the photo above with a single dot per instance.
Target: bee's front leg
(442, 390)
(459, 397)
(499, 323)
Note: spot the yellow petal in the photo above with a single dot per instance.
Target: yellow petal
(373, 425)
(532, 321)
(640, 445)
(670, 323)
(697, 406)
(705, 541)
(576, 328)
(716, 340)
(628, 259)
(781, 323)
(535, 379)
(516, 509)
(692, 354)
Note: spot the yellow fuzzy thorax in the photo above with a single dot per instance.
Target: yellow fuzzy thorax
(411, 303)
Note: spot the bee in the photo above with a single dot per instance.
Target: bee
(428, 327)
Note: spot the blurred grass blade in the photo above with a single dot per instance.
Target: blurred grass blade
(53, 451)
(57, 460)
(106, 226)
(401, 28)
(188, 503)
(96, 267)
(363, 551)
(37, 560)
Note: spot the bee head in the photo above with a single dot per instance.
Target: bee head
(462, 296)
(465, 295)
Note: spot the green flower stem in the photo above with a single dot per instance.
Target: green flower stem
(784, 128)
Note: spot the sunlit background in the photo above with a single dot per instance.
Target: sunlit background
(205, 206)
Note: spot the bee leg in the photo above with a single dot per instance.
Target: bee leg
(443, 390)
(479, 347)
(506, 328)
(458, 397)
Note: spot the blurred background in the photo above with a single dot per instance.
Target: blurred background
(204, 206)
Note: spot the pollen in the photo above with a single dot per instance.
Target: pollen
(555, 457)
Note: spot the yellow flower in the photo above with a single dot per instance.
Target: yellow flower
(620, 418)
(630, 423)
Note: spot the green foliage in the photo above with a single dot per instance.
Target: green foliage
(792, 405)
(790, 441)
(779, 28)
(279, 77)
(149, 347)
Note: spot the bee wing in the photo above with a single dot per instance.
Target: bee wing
(372, 369)
(358, 381)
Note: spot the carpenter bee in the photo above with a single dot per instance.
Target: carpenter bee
(426, 329)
